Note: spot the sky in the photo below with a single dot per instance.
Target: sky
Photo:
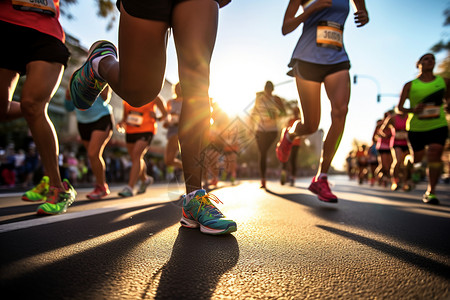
(250, 50)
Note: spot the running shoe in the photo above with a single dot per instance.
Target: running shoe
(58, 201)
(284, 146)
(321, 188)
(85, 85)
(283, 177)
(198, 211)
(143, 187)
(263, 184)
(100, 191)
(126, 192)
(39, 192)
(429, 198)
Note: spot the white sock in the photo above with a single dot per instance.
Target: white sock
(96, 62)
(321, 175)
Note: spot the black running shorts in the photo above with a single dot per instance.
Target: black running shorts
(418, 140)
(157, 10)
(105, 123)
(22, 45)
(132, 138)
(315, 72)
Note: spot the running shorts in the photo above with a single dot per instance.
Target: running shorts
(156, 10)
(132, 138)
(103, 124)
(419, 139)
(316, 72)
(23, 45)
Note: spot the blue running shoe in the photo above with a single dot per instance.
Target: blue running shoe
(85, 85)
(198, 211)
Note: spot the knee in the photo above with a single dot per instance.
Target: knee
(31, 108)
(338, 114)
(139, 96)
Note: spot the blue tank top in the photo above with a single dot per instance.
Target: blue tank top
(321, 41)
(98, 110)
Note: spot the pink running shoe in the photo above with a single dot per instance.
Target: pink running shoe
(284, 147)
(322, 190)
(99, 192)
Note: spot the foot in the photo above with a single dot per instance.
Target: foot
(321, 188)
(283, 177)
(143, 187)
(39, 192)
(430, 198)
(85, 85)
(58, 200)
(199, 211)
(100, 191)
(126, 192)
(263, 184)
(284, 147)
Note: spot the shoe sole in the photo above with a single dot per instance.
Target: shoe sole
(207, 230)
(333, 200)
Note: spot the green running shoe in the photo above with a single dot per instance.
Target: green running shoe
(85, 85)
(429, 198)
(58, 201)
(39, 192)
(198, 211)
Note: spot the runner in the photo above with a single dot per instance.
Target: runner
(398, 145)
(95, 126)
(266, 111)
(139, 124)
(427, 127)
(319, 57)
(383, 140)
(34, 47)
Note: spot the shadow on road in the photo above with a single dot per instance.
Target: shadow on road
(196, 265)
(424, 263)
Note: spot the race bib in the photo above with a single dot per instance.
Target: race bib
(401, 135)
(135, 119)
(430, 112)
(330, 35)
(40, 6)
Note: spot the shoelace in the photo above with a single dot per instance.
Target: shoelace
(205, 200)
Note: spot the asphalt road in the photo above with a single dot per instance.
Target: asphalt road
(373, 244)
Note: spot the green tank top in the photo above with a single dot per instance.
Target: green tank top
(432, 94)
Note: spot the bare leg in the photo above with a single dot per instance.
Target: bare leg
(434, 169)
(139, 74)
(137, 152)
(9, 110)
(194, 28)
(171, 152)
(337, 86)
(36, 95)
(95, 148)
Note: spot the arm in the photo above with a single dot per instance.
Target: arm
(291, 22)
(403, 96)
(386, 124)
(123, 123)
(106, 94)
(361, 15)
(162, 108)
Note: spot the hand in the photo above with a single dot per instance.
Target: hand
(419, 108)
(361, 18)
